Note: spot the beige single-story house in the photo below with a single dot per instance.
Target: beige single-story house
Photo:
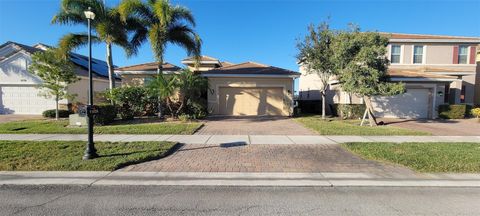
(435, 69)
(245, 89)
(19, 89)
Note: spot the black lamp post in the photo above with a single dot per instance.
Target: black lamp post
(90, 151)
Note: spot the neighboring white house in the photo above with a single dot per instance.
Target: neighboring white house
(435, 69)
(19, 92)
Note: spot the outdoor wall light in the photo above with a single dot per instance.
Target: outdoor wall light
(440, 93)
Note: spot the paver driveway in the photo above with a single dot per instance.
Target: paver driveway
(10, 118)
(266, 158)
(453, 127)
(253, 125)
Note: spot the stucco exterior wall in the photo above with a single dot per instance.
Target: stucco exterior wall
(80, 88)
(14, 71)
(135, 79)
(218, 82)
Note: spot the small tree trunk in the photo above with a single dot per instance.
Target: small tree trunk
(371, 117)
(56, 107)
(323, 105)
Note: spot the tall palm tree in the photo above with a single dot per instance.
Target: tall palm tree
(166, 24)
(108, 27)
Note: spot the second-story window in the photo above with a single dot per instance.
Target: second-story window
(462, 54)
(417, 54)
(395, 54)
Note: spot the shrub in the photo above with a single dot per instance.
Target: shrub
(185, 117)
(51, 113)
(133, 101)
(106, 114)
(349, 111)
(453, 111)
(476, 112)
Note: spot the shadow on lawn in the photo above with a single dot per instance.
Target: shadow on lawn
(172, 150)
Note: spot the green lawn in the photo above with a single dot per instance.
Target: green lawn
(67, 155)
(60, 126)
(423, 157)
(335, 126)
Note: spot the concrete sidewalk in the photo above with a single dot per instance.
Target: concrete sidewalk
(240, 139)
(236, 179)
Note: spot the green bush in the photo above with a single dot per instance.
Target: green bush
(454, 111)
(106, 114)
(349, 111)
(133, 101)
(51, 113)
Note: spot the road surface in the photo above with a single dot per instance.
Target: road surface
(176, 200)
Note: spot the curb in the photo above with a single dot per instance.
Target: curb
(234, 179)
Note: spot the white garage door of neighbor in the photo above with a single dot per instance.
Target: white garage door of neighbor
(23, 100)
(412, 104)
(250, 101)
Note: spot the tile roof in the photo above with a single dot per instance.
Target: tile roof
(151, 66)
(225, 64)
(423, 36)
(416, 73)
(251, 68)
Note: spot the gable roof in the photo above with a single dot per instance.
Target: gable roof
(151, 66)
(99, 67)
(252, 69)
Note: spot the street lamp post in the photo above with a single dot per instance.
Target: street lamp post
(90, 151)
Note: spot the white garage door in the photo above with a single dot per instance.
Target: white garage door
(412, 104)
(23, 100)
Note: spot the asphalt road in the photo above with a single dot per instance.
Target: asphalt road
(168, 200)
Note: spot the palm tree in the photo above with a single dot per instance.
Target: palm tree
(108, 27)
(191, 87)
(166, 88)
(166, 24)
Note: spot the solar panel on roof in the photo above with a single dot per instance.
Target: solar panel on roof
(98, 67)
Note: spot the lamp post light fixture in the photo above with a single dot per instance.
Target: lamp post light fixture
(90, 151)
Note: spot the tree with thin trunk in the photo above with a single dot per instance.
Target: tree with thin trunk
(166, 24)
(108, 27)
(56, 73)
(362, 64)
(316, 56)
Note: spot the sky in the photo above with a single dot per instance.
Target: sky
(261, 31)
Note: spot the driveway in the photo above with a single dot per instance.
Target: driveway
(266, 158)
(454, 127)
(253, 125)
(10, 118)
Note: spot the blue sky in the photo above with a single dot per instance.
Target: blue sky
(261, 31)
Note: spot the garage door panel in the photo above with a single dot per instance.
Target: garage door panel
(250, 101)
(23, 100)
(412, 104)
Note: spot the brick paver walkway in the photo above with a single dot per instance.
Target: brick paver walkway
(253, 125)
(266, 158)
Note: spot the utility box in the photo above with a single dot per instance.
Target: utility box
(78, 120)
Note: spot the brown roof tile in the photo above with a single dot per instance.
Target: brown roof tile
(151, 66)
(251, 68)
(416, 73)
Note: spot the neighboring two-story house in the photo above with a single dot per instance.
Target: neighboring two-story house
(435, 69)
